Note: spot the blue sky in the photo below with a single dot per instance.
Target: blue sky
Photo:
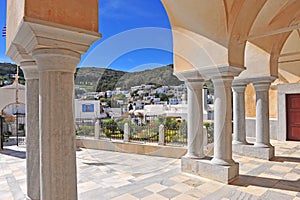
(136, 36)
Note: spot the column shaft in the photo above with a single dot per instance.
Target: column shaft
(58, 159)
(195, 120)
(239, 129)
(222, 121)
(32, 129)
(262, 114)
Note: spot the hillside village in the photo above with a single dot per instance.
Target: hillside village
(103, 93)
(106, 93)
(167, 96)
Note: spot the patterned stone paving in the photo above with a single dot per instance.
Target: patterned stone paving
(112, 175)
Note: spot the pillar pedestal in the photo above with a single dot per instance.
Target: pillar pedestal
(221, 167)
(58, 160)
(261, 148)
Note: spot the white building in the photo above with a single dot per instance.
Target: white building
(87, 109)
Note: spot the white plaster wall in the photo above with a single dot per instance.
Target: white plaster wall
(283, 89)
(251, 123)
(86, 115)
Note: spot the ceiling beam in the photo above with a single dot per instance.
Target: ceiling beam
(274, 32)
(288, 61)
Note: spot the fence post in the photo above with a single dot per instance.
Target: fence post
(97, 129)
(205, 140)
(126, 132)
(161, 136)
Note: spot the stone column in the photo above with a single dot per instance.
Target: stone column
(222, 121)
(239, 125)
(262, 114)
(161, 135)
(195, 119)
(57, 140)
(32, 129)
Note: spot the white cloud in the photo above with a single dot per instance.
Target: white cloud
(120, 9)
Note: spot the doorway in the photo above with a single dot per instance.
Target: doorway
(293, 116)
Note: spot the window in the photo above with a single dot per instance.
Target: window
(87, 107)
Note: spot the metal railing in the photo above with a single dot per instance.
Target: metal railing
(111, 131)
(144, 133)
(174, 134)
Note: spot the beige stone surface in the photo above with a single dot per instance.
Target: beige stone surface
(251, 105)
(155, 150)
(256, 34)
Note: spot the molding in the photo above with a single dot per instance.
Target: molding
(189, 76)
(18, 54)
(259, 79)
(33, 34)
(239, 82)
(215, 72)
(55, 59)
(211, 72)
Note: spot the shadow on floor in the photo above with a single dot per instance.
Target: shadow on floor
(14, 153)
(245, 181)
(285, 159)
(99, 164)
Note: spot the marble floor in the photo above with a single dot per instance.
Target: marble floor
(112, 175)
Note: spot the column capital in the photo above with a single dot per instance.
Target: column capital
(18, 54)
(195, 84)
(262, 83)
(34, 34)
(220, 72)
(30, 69)
(189, 76)
(238, 85)
(53, 59)
(222, 81)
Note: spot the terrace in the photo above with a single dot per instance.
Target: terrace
(113, 175)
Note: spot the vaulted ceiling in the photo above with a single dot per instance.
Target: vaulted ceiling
(271, 25)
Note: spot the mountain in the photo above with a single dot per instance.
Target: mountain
(7, 73)
(101, 79)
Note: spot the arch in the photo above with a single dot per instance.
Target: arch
(206, 19)
(12, 110)
(243, 15)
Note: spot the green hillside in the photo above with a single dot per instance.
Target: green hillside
(158, 76)
(100, 79)
(7, 73)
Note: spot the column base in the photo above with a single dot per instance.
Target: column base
(28, 198)
(204, 168)
(239, 142)
(250, 150)
(193, 156)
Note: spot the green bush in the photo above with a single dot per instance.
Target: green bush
(210, 131)
(85, 130)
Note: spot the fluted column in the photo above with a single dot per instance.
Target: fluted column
(58, 160)
(262, 114)
(239, 128)
(32, 129)
(222, 121)
(195, 119)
